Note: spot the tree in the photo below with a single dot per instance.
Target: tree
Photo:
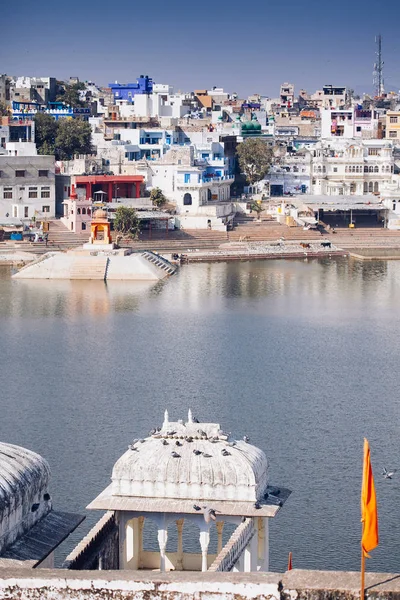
(258, 208)
(45, 133)
(127, 222)
(4, 110)
(157, 197)
(69, 94)
(73, 137)
(255, 158)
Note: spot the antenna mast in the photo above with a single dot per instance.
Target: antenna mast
(378, 67)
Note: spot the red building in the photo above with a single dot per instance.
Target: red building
(111, 186)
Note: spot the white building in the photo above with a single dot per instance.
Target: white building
(162, 102)
(202, 201)
(27, 186)
(351, 167)
(349, 123)
(291, 175)
(193, 477)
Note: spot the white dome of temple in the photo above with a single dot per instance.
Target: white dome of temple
(194, 461)
(24, 477)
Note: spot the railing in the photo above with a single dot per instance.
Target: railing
(234, 548)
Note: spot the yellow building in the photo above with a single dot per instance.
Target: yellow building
(393, 125)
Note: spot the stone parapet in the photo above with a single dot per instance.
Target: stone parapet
(55, 584)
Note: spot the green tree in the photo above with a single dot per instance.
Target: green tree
(255, 159)
(4, 110)
(45, 133)
(127, 222)
(73, 137)
(69, 94)
(157, 197)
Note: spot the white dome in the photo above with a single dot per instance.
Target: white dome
(150, 469)
(23, 474)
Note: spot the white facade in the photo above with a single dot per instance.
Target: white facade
(355, 167)
(348, 123)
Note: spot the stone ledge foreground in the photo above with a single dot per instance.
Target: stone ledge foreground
(54, 584)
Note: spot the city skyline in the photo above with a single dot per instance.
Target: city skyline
(243, 51)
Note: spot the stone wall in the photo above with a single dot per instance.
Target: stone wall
(20, 584)
(99, 548)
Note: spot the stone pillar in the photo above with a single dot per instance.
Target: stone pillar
(204, 542)
(266, 544)
(110, 192)
(140, 540)
(220, 527)
(179, 562)
(122, 540)
(162, 543)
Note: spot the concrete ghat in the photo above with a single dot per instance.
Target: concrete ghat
(46, 584)
(114, 265)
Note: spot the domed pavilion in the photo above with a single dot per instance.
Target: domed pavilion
(198, 473)
(30, 529)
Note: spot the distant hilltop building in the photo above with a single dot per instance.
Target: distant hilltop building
(195, 477)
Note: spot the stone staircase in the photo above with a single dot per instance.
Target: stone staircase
(61, 237)
(159, 262)
(89, 267)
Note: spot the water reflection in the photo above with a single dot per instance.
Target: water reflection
(72, 299)
(302, 356)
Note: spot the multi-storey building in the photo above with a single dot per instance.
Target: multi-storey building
(349, 123)
(286, 96)
(27, 186)
(393, 126)
(353, 167)
(37, 89)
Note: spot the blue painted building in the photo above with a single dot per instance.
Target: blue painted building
(127, 91)
(58, 110)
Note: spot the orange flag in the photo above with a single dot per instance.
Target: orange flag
(369, 510)
(289, 566)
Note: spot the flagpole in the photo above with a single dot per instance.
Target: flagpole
(362, 592)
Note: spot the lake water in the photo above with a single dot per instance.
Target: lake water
(303, 357)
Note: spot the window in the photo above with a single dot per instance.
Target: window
(393, 119)
(392, 134)
(20, 173)
(26, 211)
(83, 226)
(7, 193)
(376, 187)
(45, 192)
(187, 177)
(365, 169)
(43, 173)
(373, 151)
(335, 169)
(187, 199)
(45, 209)
(33, 192)
(15, 211)
(358, 129)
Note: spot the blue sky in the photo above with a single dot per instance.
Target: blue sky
(242, 47)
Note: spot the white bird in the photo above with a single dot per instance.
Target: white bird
(388, 474)
(209, 513)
